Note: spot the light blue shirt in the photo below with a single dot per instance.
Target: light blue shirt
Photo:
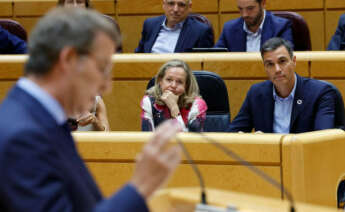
(254, 38)
(43, 97)
(282, 111)
(167, 38)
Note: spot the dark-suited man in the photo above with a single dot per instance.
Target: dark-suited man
(286, 103)
(175, 31)
(338, 39)
(253, 28)
(69, 63)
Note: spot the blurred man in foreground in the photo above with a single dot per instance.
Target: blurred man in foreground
(69, 63)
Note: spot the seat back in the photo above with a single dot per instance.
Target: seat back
(14, 28)
(213, 90)
(339, 121)
(300, 30)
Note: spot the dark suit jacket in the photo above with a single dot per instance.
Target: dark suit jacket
(234, 38)
(11, 44)
(338, 40)
(194, 34)
(316, 110)
(40, 169)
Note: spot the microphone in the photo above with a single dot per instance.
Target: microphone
(252, 167)
(203, 206)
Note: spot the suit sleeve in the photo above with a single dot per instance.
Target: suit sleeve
(11, 44)
(243, 120)
(140, 48)
(325, 112)
(339, 35)
(221, 43)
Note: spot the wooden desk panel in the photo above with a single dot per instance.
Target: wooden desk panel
(111, 176)
(328, 69)
(110, 157)
(6, 8)
(311, 165)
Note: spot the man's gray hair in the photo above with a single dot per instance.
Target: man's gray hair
(65, 27)
(274, 43)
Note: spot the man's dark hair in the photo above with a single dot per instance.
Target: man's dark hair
(259, 1)
(274, 43)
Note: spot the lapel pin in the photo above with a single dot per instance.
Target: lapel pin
(299, 101)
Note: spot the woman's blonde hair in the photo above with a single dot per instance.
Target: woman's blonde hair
(191, 89)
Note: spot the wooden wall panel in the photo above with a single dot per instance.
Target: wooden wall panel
(33, 7)
(237, 91)
(104, 6)
(331, 22)
(204, 6)
(316, 26)
(27, 22)
(139, 7)
(294, 4)
(231, 5)
(335, 4)
(215, 24)
(6, 8)
(131, 28)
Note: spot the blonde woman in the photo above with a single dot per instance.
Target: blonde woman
(175, 95)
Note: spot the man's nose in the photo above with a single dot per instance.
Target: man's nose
(175, 8)
(277, 67)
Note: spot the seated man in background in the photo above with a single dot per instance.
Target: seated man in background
(40, 167)
(286, 103)
(338, 40)
(174, 31)
(11, 44)
(253, 28)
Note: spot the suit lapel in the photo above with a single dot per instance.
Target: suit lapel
(155, 32)
(298, 102)
(186, 33)
(268, 108)
(240, 36)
